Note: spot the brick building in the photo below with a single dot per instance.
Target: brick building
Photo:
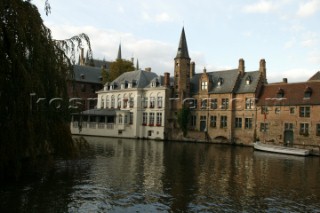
(289, 113)
(239, 106)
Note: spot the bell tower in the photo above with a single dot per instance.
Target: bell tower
(182, 71)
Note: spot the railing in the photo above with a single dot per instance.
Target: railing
(110, 126)
(101, 125)
(92, 125)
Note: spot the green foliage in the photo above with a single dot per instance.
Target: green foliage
(183, 119)
(105, 76)
(119, 67)
(33, 66)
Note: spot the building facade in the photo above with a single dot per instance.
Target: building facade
(134, 105)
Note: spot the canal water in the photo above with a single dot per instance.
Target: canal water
(124, 175)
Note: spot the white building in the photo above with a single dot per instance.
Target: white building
(134, 106)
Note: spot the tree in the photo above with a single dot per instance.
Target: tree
(33, 92)
(183, 119)
(119, 67)
(105, 75)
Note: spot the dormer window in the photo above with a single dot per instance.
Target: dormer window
(220, 81)
(248, 80)
(307, 92)
(280, 93)
(204, 85)
(154, 83)
(134, 83)
(82, 76)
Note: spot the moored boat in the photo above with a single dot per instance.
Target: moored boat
(281, 149)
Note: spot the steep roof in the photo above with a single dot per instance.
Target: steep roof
(119, 56)
(315, 77)
(293, 94)
(87, 74)
(253, 78)
(228, 80)
(183, 47)
(142, 78)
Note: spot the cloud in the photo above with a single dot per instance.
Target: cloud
(262, 6)
(105, 42)
(163, 17)
(309, 8)
(314, 57)
(293, 75)
(310, 39)
(160, 17)
(290, 43)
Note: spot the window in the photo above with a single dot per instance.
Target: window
(145, 102)
(238, 123)
(277, 110)
(125, 102)
(307, 92)
(213, 121)
(107, 102)
(248, 123)
(214, 103)
(112, 102)
(223, 121)
(204, 85)
(304, 112)
(264, 127)
(225, 103)
(144, 119)
(159, 102)
(318, 129)
(292, 110)
(288, 126)
(249, 103)
(151, 118)
(280, 93)
(220, 81)
(83, 88)
(304, 129)
(264, 110)
(159, 118)
(120, 119)
(126, 119)
(131, 118)
(193, 120)
(204, 103)
(248, 80)
(152, 102)
(119, 102)
(131, 102)
(102, 103)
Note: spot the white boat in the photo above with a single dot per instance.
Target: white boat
(281, 149)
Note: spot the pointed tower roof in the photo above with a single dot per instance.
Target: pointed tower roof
(137, 66)
(183, 47)
(119, 52)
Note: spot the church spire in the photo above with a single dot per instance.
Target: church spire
(137, 66)
(183, 47)
(119, 53)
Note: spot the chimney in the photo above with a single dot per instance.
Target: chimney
(285, 80)
(166, 79)
(192, 69)
(241, 67)
(147, 69)
(263, 70)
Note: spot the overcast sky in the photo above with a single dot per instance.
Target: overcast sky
(285, 33)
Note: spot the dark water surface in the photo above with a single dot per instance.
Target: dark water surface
(123, 175)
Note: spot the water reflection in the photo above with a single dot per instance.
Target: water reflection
(124, 175)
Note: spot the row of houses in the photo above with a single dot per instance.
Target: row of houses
(229, 106)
